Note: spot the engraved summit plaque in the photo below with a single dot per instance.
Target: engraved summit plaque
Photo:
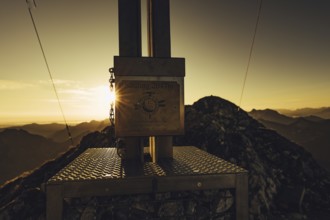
(146, 108)
(149, 96)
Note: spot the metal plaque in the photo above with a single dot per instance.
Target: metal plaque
(147, 106)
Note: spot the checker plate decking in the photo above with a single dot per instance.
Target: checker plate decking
(104, 163)
(101, 172)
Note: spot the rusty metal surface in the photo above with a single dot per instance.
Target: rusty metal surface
(104, 163)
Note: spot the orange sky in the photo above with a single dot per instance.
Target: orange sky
(289, 67)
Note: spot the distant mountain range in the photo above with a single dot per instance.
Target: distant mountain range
(323, 112)
(21, 151)
(285, 182)
(26, 147)
(310, 131)
(58, 133)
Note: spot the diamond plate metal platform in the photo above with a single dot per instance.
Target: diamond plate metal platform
(101, 172)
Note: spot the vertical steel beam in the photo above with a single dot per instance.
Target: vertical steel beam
(159, 41)
(129, 14)
(160, 28)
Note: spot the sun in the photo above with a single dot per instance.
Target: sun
(112, 96)
(103, 94)
(96, 103)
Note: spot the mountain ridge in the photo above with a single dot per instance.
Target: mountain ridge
(278, 168)
(311, 132)
(22, 151)
(44, 140)
(58, 132)
(322, 112)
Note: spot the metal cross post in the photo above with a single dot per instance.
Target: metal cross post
(149, 103)
(159, 46)
(129, 13)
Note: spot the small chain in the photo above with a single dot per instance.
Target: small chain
(112, 111)
(119, 143)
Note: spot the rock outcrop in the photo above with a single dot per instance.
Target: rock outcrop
(284, 179)
(285, 182)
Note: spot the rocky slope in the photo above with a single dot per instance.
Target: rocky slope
(310, 132)
(285, 182)
(283, 177)
(21, 151)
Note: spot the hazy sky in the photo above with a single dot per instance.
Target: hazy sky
(290, 66)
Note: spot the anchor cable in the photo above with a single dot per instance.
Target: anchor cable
(48, 68)
(250, 55)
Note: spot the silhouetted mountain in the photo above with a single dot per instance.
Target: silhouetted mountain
(311, 132)
(313, 118)
(79, 130)
(47, 139)
(45, 130)
(21, 151)
(58, 133)
(270, 115)
(285, 182)
(304, 112)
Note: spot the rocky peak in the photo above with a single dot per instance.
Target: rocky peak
(275, 164)
(285, 182)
